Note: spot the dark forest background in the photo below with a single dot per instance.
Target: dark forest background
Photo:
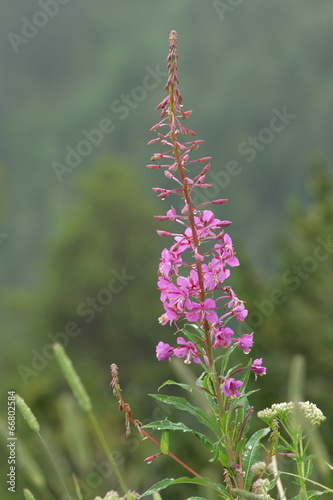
(75, 215)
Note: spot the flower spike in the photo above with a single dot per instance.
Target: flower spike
(188, 286)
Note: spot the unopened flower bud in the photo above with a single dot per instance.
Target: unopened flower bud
(156, 156)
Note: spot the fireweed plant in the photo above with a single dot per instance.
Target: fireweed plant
(192, 277)
(196, 300)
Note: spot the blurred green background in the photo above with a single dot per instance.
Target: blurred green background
(79, 84)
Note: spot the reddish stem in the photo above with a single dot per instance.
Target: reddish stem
(142, 431)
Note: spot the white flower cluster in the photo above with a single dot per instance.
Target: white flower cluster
(312, 413)
(277, 410)
(282, 410)
(113, 495)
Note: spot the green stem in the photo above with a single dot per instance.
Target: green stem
(147, 435)
(108, 452)
(55, 465)
(326, 490)
(298, 446)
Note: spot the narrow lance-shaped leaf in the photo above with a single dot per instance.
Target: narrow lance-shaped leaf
(315, 494)
(251, 454)
(179, 426)
(203, 481)
(187, 387)
(196, 498)
(183, 404)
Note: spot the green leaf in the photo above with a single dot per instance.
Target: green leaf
(315, 494)
(220, 456)
(161, 425)
(202, 481)
(200, 333)
(308, 495)
(251, 454)
(179, 426)
(240, 407)
(184, 405)
(204, 382)
(216, 451)
(225, 358)
(196, 498)
(164, 443)
(308, 466)
(272, 484)
(172, 382)
(246, 374)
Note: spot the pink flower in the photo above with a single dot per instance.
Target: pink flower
(240, 312)
(187, 349)
(214, 274)
(164, 285)
(177, 298)
(230, 387)
(257, 368)
(245, 342)
(170, 315)
(183, 241)
(190, 284)
(203, 310)
(170, 262)
(222, 337)
(226, 251)
(206, 223)
(238, 308)
(163, 351)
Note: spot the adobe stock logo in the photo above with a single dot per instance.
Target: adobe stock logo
(31, 27)
(3, 236)
(121, 107)
(292, 278)
(87, 312)
(94, 480)
(223, 8)
(278, 122)
(249, 149)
